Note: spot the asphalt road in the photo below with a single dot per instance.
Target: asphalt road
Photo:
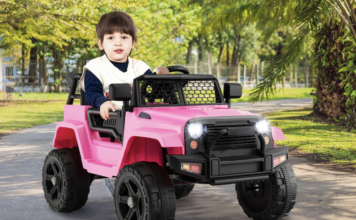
(322, 194)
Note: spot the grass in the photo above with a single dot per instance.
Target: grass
(322, 140)
(292, 93)
(39, 96)
(24, 115)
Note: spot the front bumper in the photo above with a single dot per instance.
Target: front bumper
(232, 169)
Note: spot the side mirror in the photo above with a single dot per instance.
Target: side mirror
(120, 92)
(232, 91)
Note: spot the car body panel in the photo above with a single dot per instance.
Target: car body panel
(143, 138)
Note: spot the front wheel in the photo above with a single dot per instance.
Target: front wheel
(269, 199)
(143, 190)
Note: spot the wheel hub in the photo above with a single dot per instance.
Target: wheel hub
(132, 202)
(54, 180)
(257, 188)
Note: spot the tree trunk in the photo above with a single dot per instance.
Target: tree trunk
(58, 56)
(201, 54)
(210, 62)
(43, 68)
(330, 85)
(201, 48)
(189, 53)
(227, 54)
(235, 51)
(23, 51)
(221, 49)
(32, 73)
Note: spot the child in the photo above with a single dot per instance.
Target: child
(116, 37)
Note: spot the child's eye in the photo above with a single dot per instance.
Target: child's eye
(124, 37)
(110, 38)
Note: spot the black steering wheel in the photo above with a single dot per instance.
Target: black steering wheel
(176, 68)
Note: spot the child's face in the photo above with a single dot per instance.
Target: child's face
(117, 46)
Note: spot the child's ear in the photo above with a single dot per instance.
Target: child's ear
(99, 44)
(133, 44)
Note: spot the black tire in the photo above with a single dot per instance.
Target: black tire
(270, 199)
(69, 189)
(182, 190)
(153, 192)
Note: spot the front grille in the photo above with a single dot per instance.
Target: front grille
(226, 142)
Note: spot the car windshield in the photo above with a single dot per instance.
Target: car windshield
(179, 92)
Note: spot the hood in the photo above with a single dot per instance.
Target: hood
(185, 113)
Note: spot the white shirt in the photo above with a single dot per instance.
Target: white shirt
(108, 74)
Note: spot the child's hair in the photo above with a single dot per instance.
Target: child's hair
(116, 21)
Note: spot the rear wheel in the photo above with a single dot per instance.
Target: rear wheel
(143, 190)
(65, 182)
(270, 199)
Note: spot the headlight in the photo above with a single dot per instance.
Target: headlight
(262, 126)
(195, 130)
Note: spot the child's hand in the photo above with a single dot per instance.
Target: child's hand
(160, 70)
(104, 109)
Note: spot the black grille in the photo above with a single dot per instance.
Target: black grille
(159, 92)
(179, 92)
(201, 92)
(225, 141)
(110, 122)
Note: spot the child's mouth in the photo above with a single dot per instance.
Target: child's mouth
(119, 51)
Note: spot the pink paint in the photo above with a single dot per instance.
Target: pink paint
(277, 134)
(143, 138)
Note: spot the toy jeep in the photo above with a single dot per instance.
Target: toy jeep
(172, 132)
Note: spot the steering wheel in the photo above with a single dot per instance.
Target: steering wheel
(178, 68)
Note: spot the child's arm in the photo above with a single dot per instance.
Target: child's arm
(93, 90)
(94, 95)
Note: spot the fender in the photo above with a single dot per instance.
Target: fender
(71, 134)
(167, 138)
(277, 134)
(137, 149)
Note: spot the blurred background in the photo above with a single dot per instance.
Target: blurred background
(42, 41)
(264, 45)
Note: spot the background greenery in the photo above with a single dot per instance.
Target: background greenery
(315, 137)
(319, 34)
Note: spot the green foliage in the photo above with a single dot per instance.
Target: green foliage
(159, 25)
(310, 135)
(68, 26)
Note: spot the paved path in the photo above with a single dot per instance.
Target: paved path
(274, 105)
(322, 194)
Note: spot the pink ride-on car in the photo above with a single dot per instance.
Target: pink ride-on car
(172, 132)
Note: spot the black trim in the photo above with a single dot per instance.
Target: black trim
(178, 68)
(144, 115)
(72, 81)
(212, 142)
(113, 126)
(176, 77)
(231, 169)
(244, 124)
(239, 179)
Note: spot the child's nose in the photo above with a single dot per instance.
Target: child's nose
(118, 42)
